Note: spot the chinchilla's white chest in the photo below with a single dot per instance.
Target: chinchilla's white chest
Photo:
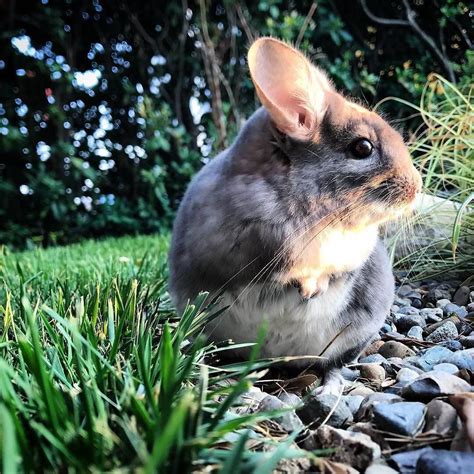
(293, 327)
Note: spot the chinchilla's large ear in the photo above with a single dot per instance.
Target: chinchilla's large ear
(292, 90)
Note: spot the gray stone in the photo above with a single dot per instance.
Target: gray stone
(250, 400)
(432, 356)
(445, 367)
(408, 311)
(439, 461)
(406, 375)
(367, 406)
(441, 418)
(353, 402)
(461, 297)
(405, 462)
(442, 303)
(401, 302)
(416, 300)
(445, 332)
(372, 358)
(386, 328)
(350, 374)
(405, 322)
(434, 384)
(405, 418)
(452, 309)
(440, 292)
(380, 469)
(404, 290)
(395, 349)
(318, 407)
(355, 449)
(361, 389)
(462, 359)
(431, 312)
(454, 319)
(415, 332)
(374, 372)
(289, 421)
(453, 345)
(291, 399)
(467, 341)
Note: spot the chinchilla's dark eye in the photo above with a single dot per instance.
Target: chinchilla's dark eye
(361, 148)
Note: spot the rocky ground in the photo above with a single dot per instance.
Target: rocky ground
(407, 406)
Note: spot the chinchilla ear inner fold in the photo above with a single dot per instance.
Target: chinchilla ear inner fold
(289, 86)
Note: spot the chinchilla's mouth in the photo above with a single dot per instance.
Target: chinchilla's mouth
(396, 193)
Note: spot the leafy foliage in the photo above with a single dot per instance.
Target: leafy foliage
(443, 148)
(107, 109)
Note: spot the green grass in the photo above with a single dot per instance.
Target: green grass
(97, 373)
(443, 150)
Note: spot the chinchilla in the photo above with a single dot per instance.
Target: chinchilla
(285, 221)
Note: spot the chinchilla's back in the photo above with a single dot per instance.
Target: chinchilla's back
(218, 235)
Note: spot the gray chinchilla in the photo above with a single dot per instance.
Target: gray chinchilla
(286, 220)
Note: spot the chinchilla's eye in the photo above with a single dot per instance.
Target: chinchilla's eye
(361, 148)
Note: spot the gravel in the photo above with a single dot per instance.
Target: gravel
(405, 383)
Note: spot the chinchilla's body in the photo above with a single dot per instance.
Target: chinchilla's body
(285, 221)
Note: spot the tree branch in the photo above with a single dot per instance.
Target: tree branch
(411, 22)
(429, 41)
(310, 14)
(382, 21)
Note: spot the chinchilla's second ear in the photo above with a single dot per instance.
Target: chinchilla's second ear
(294, 92)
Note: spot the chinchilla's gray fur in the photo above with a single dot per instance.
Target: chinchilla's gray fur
(235, 217)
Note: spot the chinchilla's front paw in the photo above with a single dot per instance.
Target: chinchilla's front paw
(312, 287)
(333, 384)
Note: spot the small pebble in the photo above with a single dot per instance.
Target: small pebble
(442, 303)
(434, 384)
(367, 406)
(453, 345)
(361, 390)
(395, 349)
(462, 359)
(405, 462)
(406, 375)
(405, 322)
(445, 332)
(415, 332)
(374, 372)
(350, 374)
(289, 421)
(445, 367)
(441, 461)
(404, 290)
(355, 449)
(317, 407)
(441, 418)
(430, 312)
(461, 297)
(408, 310)
(452, 309)
(467, 341)
(291, 399)
(405, 418)
(353, 402)
(373, 358)
(401, 301)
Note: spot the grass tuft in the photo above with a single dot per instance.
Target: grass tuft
(98, 373)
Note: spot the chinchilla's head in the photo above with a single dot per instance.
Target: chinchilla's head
(338, 152)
